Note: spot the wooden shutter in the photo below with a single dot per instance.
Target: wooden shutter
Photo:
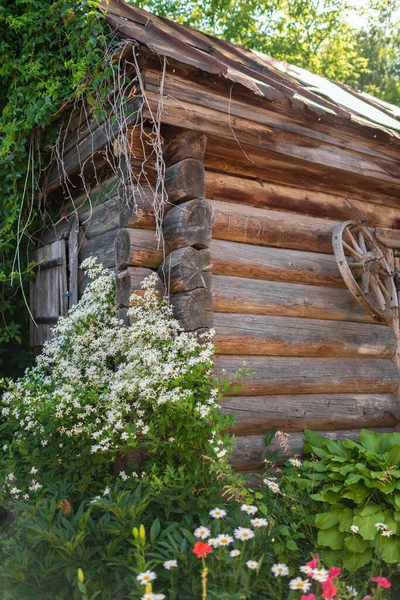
(48, 299)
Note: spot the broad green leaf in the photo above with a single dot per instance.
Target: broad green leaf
(315, 443)
(366, 525)
(393, 456)
(370, 440)
(355, 543)
(326, 520)
(331, 538)
(346, 519)
(388, 549)
(353, 561)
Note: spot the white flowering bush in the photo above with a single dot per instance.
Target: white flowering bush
(101, 390)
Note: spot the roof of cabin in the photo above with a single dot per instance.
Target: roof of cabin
(263, 75)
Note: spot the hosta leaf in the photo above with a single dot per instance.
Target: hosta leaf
(346, 519)
(315, 443)
(357, 492)
(353, 561)
(393, 456)
(366, 525)
(355, 543)
(331, 538)
(326, 520)
(388, 549)
(370, 440)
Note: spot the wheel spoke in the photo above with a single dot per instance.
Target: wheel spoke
(351, 251)
(352, 241)
(361, 242)
(383, 289)
(365, 278)
(379, 296)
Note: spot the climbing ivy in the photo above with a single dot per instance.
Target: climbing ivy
(52, 53)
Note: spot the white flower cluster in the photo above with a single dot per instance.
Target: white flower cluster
(101, 383)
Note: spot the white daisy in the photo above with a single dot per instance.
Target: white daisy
(295, 462)
(170, 564)
(224, 539)
(299, 584)
(146, 577)
(306, 570)
(320, 575)
(386, 533)
(280, 570)
(381, 526)
(352, 591)
(259, 522)
(213, 542)
(242, 533)
(252, 564)
(202, 532)
(250, 510)
(272, 485)
(354, 528)
(218, 513)
(234, 553)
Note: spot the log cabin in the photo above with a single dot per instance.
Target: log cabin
(267, 200)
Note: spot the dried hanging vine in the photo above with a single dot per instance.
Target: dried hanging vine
(53, 54)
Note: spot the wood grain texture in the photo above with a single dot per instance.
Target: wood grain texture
(284, 375)
(291, 336)
(130, 282)
(186, 269)
(185, 181)
(101, 218)
(101, 246)
(137, 247)
(193, 309)
(254, 296)
(257, 414)
(136, 207)
(187, 144)
(388, 237)
(246, 224)
(276, 264)
(248, 451)
(188, 224)
(266, 194)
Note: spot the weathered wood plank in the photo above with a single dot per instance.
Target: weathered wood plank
(73, 266)
(388, 237)
(101, 218)
(130, 282)
(291, 336)
(137, 247)
(101, 246)
(193, 309)
(277, 264)
(283, 375)
(187, 144)
(137, 207)
(254, 296)
(186, 269)
(185, 181)
(248, 452)
(265, 194)
(188, 224)
(238, 223)
(257, 414)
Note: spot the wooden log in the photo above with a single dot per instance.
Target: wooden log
(185, 181)
(137, 207)
(188, 224)
(101, 218)
(137, 248)
(283, 375)
(73, 263)
(101, 246)
(388, 237)
(193, 309)
(257, 262)
(186, 269)
(257, 414)
(249, 450)
(130, 282)
(265, 194)
(250, 225)
(187, 144)
(253, 296)
(291, 336)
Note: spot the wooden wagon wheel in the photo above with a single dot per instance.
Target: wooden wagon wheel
(365, 270)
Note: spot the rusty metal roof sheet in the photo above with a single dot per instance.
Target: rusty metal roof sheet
(264, 75)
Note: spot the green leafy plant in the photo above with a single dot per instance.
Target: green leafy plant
(360, 481)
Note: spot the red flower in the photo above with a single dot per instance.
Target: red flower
(308, 597)
(329, 590)
(334, 572)
(314, 562)
(381, 581)
(201, 549)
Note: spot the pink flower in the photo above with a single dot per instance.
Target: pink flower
(381, 581)
(314, 562)
(328, 590)
(367, 598)
(308, 597)
(201, 549)
(334, 572)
